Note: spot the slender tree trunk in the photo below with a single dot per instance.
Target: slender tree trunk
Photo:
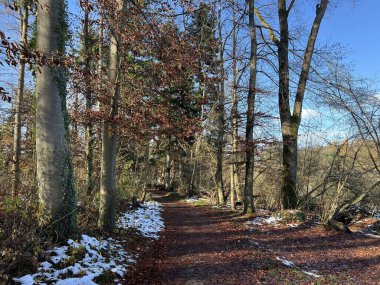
(290, 122)
(24, 14)
(250, 148)
(232, 187)
(109, 139)
(220, 110)
(100, 61)
(54, 170)
(234, 109)
(168, 166)
(88, 96)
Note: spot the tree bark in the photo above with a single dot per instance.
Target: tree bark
(234, 108)
(232, 188)
(250, 148)
(88, 95)
(109, 139)
(24, 15)
(57, 198)
(168, 166)
(220, 113)
(100, 55)
(290, 122)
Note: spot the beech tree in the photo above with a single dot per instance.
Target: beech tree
(87, 45)
(250, 148)
(235, 189)
(109, 138)
(24, 16)
(220, 113)
(54, 170)
(290, 121)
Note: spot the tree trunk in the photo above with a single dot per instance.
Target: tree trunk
(54, 170)
(250, 148)
(220, 111)
(109, 139)
(100, 61)
(234, 108)
(232, 188)
(290, 122)
(19, 100)
(168, 167)
(88, 96)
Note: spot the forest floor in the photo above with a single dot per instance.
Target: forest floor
(205, 245)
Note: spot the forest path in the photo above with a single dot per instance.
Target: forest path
(206, 246)
(198, 246)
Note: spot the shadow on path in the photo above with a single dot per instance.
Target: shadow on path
(202, 246)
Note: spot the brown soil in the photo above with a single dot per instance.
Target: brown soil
(202, 246)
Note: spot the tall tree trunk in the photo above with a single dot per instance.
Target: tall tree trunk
(168, 166)
(250, 148)
(54, 170)
(290, 122)
(232, 188)
(100, 55)
(220, 110)
(24, 15)
(234, 108)
(109, 139)
(88, 96)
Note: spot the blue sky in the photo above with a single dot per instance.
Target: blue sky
(356, 23)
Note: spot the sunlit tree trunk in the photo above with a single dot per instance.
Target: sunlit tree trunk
(57, 199)
(290, 122)
(109, 139)
(250, 148)
(220, 114)
(234, 108)
(24, 14)
(232, 186)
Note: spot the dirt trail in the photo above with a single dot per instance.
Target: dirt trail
(202, 246)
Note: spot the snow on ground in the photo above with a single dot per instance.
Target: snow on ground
(286, 262)
(146, 219)
(311, 273)
(192, 200)
(89, 263)
(259, 221)
(272, 220)
(79, 262)
(289, 263)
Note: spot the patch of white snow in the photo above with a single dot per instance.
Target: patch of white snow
(98, 255)
(192, 200)
(311, 274)
(146, 219)
(259, 221)
(286, 262)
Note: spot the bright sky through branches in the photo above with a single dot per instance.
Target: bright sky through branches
(355, 24)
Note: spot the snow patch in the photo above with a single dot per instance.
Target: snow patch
(94, 256)
(371, 235)
(192, 200)
(311, 274)
(289, 263)
(286, 262)
(259, 221)
(146, 219)
(82, 271)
